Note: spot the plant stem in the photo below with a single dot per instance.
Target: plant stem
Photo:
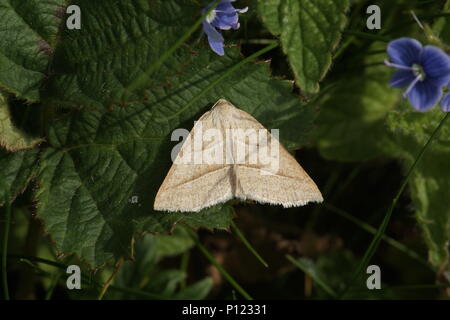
(366, 35)
(184, 267)
(258, 41)
(54, 282)
(5, 247)
(27, 280)
(110, 279)
(244, 240)
(222, 271)
(377, 238)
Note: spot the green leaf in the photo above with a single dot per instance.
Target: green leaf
(196, 291)
(28, 31)
(166, 281)
(11, 138)
(174, 244)
(102, 155)
(442, 25)
(269, 11)
(16, 171)
(309, 31)
(430, 182)
(351, 125)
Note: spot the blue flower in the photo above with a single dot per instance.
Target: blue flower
(424, 71)
(223, 17)
(445, 103)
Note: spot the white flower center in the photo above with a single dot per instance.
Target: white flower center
(211, 16)
(419, 72)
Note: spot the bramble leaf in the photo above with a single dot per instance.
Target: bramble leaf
(309, 32)
(16, 171)
(12, 138)
(28, 32)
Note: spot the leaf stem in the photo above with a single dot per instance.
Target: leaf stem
(54, 282)
(244, 240)
(222, 271)
(258, 41)
(110, 279)
(378, 236)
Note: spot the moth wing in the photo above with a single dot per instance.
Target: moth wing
(275, 177)
(191, 187)
(290, 186)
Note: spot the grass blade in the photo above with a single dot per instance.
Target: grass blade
(222, 271)
(244, 240)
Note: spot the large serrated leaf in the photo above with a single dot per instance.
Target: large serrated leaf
(105, 161)
(430, 182)
(95, 65)
(309, 31)
(16, 171)
(28, 32)
(12, 138)
(351, 125)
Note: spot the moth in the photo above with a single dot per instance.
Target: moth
(229, 154)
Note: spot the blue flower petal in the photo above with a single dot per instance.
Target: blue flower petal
(215, 39)
(424, 95)
(402, 78)
(436, 65)
(226, 21)
(405, 51)
(445, 103)
(217, 47)
(225, 6)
